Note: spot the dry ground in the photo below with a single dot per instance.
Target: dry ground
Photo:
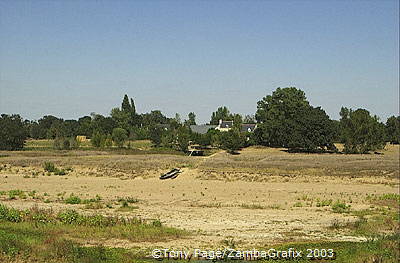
(262, 196)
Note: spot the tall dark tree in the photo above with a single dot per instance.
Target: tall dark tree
(126, 106)
(361, 131)
(393, 129)
(133, 108)
(12, 132)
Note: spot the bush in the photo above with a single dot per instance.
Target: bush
(340, 207)
(12, 132)
(232, 141)
(96, 139)
(63, 143)
(119, 136)
(361, 132)
(49, 167)
(73, 200)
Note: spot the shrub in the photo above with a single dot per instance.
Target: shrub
(72, 199)
(12, 194)
(12, 132)
(49, 167)
(10, 214)
(340, 207)
(68, 216)
(119, 136)
(157, 223)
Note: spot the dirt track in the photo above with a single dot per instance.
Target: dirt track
(213, 209)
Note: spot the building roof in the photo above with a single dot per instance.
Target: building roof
(225, 124)
(247, 127)
(202, 129)
(164, 126)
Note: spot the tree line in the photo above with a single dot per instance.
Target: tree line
(284, 119)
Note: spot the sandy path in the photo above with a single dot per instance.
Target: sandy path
(215, 210)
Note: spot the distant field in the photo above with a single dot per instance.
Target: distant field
(261, 198)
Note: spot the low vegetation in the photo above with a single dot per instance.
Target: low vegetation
(31, 235)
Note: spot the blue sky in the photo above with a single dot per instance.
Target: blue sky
(71, 58)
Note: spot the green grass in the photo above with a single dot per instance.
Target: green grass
(340, 207)
(37, 235)
(381, 249)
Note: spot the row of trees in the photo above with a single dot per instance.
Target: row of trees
(285, 119)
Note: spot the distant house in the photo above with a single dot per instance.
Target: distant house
(202, 129)
(248, 127)
(165, 127)
(81, 138)
(224, 125)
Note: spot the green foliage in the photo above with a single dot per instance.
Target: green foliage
(23, 239)
(49, 167)
(393, 129)
(155, 135)
(191, 119)
(222, 113)
(119, 136)
(361, 132)
(286, 119)
(97, 139)
(183, 138)
(340, 207)
(13, 194)
(63, 143)
(73, 200)
(12, 132)
(232, 140)
(10, 214)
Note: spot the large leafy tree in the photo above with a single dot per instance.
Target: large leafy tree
(393, 129)
(286, 119)
(12, 132)
(222, 113)
(361, 132)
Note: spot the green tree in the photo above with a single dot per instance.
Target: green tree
(119, 136)
(183, 137)
(126, 106)
(155, 135)
(286, 119)
(237, 120)
(96, 139)
(361, 131)
(12, 132)
(85, 126)
(232, 140)
(249, 119)
(222, 113)
(191, 119)
(46, 123)
(393, 129)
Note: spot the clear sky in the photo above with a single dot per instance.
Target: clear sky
(71, 58)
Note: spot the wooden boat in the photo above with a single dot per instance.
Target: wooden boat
(171, 174)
